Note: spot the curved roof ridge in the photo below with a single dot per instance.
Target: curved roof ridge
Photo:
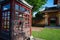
(26, 3)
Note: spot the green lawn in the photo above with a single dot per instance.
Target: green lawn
(47, 34)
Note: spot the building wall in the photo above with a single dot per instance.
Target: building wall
(50, 15)
(59, 17)
(41, 22)
(59, 2)
(38, 23)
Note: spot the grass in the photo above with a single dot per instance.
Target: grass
(47, 34)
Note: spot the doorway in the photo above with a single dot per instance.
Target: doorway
(52, 21)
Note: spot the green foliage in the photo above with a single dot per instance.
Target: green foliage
(36, 4)
(39, 16)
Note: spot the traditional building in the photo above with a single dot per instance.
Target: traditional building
(52, 14)
(15, 20)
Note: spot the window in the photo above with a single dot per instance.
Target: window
(4, 26)
(21, 18)
(2, 14)
(5, 22)
(16, 23)
(16, 7)
(17, 14)
(6, 18)
(27, 11)
(8, 23)
(5, 14)
(8, 13)
(6, 7)
(22, 9)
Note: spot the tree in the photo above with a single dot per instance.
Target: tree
(39, 16)
(36, 4)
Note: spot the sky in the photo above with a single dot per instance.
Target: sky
(48, 4)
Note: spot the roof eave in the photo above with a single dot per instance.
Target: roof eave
(49, 11)
(28, 5)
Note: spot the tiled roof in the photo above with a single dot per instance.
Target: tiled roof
(26, 3)
(51, 8)
(21, 1)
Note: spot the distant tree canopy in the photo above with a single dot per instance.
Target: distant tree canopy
(39, 16)
(36, 4)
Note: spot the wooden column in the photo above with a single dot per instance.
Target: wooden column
(59, 18)
(12, 12)
(30, 22)
(0, 18)
(46, 19)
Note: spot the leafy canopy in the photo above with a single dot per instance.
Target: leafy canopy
(39, 16)
(36, 4)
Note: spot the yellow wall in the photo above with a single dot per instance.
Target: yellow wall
(57, 14)
(41, 21)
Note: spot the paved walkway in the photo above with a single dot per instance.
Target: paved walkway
(56, 27)
(37, 39)
(41, 28)
(37, 28)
